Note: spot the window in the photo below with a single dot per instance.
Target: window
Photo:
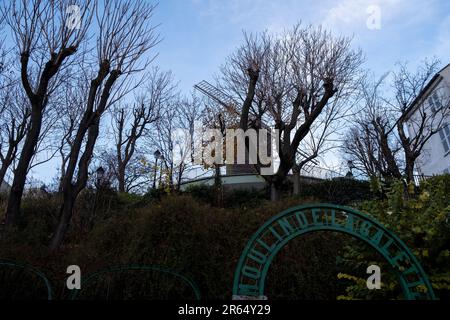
(435, 102)
(445, 137)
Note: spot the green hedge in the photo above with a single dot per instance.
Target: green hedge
(341, 191)
(204, 243)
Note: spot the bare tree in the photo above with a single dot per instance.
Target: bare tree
(70, 113)
(130, 124)
(370, 144)
(163, 139)
(123, 37)
(44, 43)
(14, 124)
(429, 117)
(378, 143)
(191, 112)
(14, 114)
(287, 82)
(138, 173)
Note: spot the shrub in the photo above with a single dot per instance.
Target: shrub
(204, 243)
(423, 223)
(202, 193)
(338, 191)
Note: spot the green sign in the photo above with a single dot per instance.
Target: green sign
(118, 269)
(251, 272)
(32, 270)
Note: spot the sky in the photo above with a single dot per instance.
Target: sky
(197, 35)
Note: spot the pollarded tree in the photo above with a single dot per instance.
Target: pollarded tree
(14, 114)
(123, 37)
(70, 111)
(44, 43)
(287, 82)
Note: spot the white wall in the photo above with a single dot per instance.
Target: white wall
(434, 160)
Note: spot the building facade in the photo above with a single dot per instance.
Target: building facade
(435, 158)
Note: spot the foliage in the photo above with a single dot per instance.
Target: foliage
(422, 222)
(192, 238)
(204, 243)
(338, 191)
(203, 193)
(238, 198)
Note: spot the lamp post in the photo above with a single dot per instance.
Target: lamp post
(157, 155)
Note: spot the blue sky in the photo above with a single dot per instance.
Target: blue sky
(199, 34)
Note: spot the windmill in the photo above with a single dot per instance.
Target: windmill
(218, 96)
(229, 105)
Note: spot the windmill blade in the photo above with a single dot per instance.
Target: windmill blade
(214, 93)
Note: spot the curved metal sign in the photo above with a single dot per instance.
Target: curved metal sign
(117, 269)
(251, 272)
(27, 268)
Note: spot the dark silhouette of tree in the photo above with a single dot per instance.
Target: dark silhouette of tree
(44, 44)
(123, 37)
(287, 82)
(378, 143)
(132, 123)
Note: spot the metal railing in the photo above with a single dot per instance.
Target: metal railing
(418, 179)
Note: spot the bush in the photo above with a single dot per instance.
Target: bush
(204, 243)
(202, 193)
(341, 191)
(194, 239)
(423, 223)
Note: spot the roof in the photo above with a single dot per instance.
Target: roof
(416, 102)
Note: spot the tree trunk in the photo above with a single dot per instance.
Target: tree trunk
(121, 178)
(3, 171)
(409, 170)
(218, 186)
(275, 192)
(20, 174)
(71, 191)
(296, 183)
(90, 123)
(64, 221)
(38, 101)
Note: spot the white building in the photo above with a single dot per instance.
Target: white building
(435, 158)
